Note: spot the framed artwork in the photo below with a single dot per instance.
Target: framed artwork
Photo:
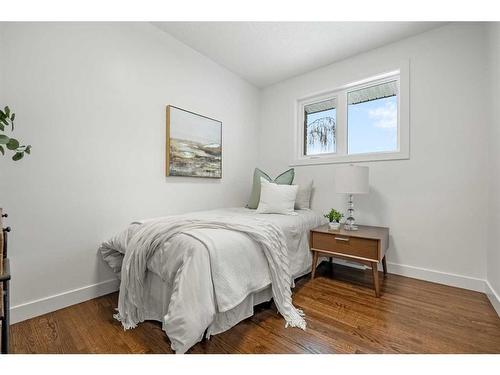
(194, 144)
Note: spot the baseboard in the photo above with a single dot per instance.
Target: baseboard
(451, 279)
(493, 296)
(58, 301)
(344, 262)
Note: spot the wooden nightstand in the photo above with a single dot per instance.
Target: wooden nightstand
(367, 245)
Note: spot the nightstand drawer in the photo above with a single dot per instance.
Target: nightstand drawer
(338, 243)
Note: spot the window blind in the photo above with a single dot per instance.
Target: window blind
(384, 90)
(320, 106)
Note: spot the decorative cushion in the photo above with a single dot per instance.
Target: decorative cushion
(286, 178)
(303, 199)
(277, 199)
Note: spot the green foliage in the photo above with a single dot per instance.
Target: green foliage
(7, 120)
(334, 216)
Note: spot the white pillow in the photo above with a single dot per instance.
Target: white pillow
(303, 199)
(276, 199)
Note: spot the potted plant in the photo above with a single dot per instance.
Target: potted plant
(334, 218)
(7, 120)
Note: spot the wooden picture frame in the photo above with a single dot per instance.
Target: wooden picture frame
(193, 144)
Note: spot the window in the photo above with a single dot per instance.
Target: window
(363, 121)
(319, 128)
(372, 119)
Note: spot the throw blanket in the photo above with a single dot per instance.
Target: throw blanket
(151, 235)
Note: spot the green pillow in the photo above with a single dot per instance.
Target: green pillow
(286, 178)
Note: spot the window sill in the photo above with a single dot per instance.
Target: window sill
(359, 158)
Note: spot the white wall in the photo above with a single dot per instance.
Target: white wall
(434, 201)
(91, 100)
(1, 64)
(493, 259)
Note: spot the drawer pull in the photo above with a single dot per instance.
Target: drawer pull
(342, 239)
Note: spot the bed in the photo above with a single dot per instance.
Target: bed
(194, 292)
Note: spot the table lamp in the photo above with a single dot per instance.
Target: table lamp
(351, 179)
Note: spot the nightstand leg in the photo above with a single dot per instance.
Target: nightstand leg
(376, 284)
(384, 265)
(315, 261)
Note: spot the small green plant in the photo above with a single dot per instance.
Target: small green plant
(334, 216)
(7, 120)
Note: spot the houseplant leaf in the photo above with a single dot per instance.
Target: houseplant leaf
(12, 144)
(4, 139)
(17, 156)
(2, 150)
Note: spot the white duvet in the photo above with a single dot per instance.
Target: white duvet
(208, 277)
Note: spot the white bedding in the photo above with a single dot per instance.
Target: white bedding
(179, 282)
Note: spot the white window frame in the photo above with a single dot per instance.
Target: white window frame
(317, 99)
(401, 76)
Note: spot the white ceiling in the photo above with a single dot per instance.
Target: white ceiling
(264, 53)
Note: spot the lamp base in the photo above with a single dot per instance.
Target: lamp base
(350, 227)
(350, 221)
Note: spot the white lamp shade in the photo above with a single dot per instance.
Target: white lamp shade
(351, 179)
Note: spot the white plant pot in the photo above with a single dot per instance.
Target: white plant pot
(334, 226)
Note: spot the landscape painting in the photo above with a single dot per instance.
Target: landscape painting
(194, 144)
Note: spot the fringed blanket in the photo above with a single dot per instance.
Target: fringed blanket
(145, 239)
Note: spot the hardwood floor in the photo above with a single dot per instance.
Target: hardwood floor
(343, 316)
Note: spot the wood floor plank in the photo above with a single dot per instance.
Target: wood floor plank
(342, 313)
